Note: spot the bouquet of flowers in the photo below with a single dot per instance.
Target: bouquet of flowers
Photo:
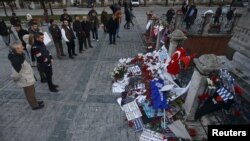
(118, 72)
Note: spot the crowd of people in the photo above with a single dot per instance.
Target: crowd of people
(77, 28)
(32, 50)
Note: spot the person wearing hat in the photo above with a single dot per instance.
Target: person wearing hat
(57, 38)
(23, 75)
(66, 16)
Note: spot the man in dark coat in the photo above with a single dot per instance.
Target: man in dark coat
(44, 60)
(57, 38)
(77, 27)
(93, 19)
(217, 15)
(14, 20)
(4, 32)
(170, 14)
(104, 20)
(191, 16)
(69, 38)
(21, 32)
(127, 18)
(66, 16)
(86, 26)
(230, 15)
(112, 26)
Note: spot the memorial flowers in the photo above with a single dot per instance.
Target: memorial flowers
(118, 72)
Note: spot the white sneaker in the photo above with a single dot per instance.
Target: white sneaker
(97, 40)
(93, 39)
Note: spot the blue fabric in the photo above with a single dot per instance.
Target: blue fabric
(158, 97)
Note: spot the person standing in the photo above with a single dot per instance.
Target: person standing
(44, 60)
(118, 18)
(127, 18)
(34, 29)
(191, 16)
(22, 74)
(184, 7)
(66, 16)
(21, 32)
(46, 16)
(170, 14)
(217, 15)
(132, 16)
(86, 26)
(94, 23)
(4, 32)
(230, 15)
(57, 38)
(14, 20)
(104, 19)
(112, 26)
(69, 38)
(77, 27)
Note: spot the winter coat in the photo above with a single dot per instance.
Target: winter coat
(104, 17)
(127, 15)
(55, 32)
(77, 27)
(22, 73)
(15, 20)
(21, 33)
(3, 29)
(39, 50)
(86, 26)
(66, 17)
(112, 26)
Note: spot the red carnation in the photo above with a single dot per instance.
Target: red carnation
(192, 132)
(237, 113)
(218, 98)
(130, 124)
(238, 90)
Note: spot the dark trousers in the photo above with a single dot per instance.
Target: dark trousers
(31, 95)
(80, 42)
(112, 38)
(95, 33)
(216, 20)
(59, 48)
(47, 70)
(87, 40)
(127, 24)
(71, 48)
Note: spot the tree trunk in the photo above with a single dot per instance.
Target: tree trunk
(102, 3)
(43, 5)
(166, 3)
(4, 9)
(145, 2)
(51, 11)
(210, 3)
(82, 2)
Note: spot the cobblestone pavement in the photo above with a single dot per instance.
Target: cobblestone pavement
(84, 109)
